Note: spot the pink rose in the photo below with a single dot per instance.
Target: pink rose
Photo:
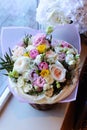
(43, 65)
(33, 53)
(58, 72)
(39, 39)
(40, 82)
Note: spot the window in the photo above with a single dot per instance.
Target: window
(12, 14)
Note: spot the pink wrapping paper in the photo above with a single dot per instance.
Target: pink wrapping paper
(10, 36)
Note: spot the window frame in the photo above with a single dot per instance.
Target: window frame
(4, 97)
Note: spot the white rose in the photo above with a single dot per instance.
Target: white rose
(21, 65)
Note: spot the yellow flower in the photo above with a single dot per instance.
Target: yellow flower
(41, 48)
(26, 54)
(44, 72)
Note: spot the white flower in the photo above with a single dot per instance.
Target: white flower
(71, 51)
(20, 82)
(49, 79)
(47, 86)
(58, 49)
(38, 59)
(26, 75)
(27, 87)
(69, 57)
(17, 52)
(72, 62)
(30, 47)
(21, 64)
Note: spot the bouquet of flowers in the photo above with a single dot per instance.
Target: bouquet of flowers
(41, 69)
(56, 12)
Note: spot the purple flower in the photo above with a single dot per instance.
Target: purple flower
(33, 53)
(33, 76)
(61, 56)
(43, 65)
(39, 81)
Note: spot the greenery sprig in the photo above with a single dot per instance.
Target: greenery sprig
(6, 62)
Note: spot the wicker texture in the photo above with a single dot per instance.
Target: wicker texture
(43, 107)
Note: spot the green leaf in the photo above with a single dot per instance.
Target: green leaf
(6, 62)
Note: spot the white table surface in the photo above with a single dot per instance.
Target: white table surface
(21, 116)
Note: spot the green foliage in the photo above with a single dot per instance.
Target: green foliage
(6, 62)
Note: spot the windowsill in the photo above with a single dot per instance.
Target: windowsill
(4, 97)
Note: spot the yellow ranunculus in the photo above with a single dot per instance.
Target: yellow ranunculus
(41, 48)
(44, 72)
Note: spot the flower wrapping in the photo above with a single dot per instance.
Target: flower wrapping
(38, 74)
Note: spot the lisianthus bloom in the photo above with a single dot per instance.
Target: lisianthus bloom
(33, 53)
(43, 65)
(65, 44)
(39, 39)
(33, 75)
(61, 56)
(40, 81)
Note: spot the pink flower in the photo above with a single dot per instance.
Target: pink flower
(33, 53)
(39, 39)
(50, 53)
(65, 44)
(39, 81)
(43, 65)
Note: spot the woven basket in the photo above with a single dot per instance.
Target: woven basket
(43, 107)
